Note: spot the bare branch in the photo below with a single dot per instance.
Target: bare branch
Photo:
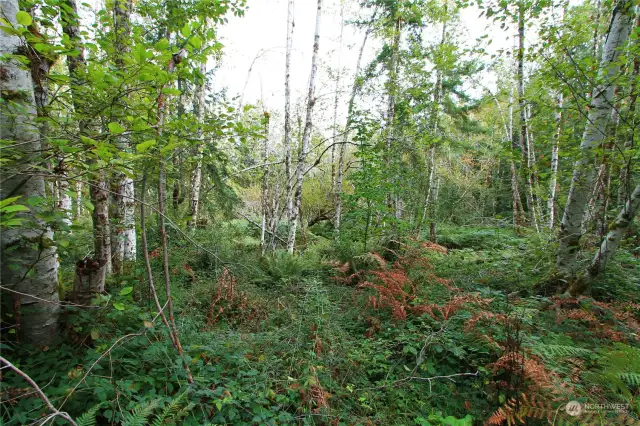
(56, 413)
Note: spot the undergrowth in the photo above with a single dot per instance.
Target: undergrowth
(452, 333)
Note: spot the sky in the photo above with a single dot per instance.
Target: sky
(261, 34)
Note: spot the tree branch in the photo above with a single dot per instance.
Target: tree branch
(56, 413)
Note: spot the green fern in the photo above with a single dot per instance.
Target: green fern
(173, 410)
(632, 379)
(138, 416)
(554, 351)
(88, 418)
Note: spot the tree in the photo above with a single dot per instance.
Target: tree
(355, 88)
(196, 176)
(306, 136)
(123, 229)
(288, 144)
(29, 262)
(609, 244)
(98, 190)
(594, 134)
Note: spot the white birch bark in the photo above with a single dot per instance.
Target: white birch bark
(552, 204)
(536, 210)
(306, 136)
(555, 155)
(196, 176)
(335, 102)
(63, 203)
(287, 113)
(616, 231)
(77, 211)
(594, 134)
(29, 261)
(518, 212)
(123, 229)
(522, 139)
(429, 205)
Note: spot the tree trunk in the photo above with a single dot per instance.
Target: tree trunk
(77, 208)
(89, 280)
(265, 185)
(522, 135)
(534, 187)
(518, 211)
(287, 113)
(123, 225)
(306, 136)
(391, 113)
(552, 204)
(98, 192)
(29, 261)
(594, 134)
(335, 103)
(429, 206)
(609, 244)
(624, 183)
(196, 176)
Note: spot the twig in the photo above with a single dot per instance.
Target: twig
(428, 379)
(147, 261)
(107, 352)
(49, 301)
(56, 413)
(260, 226)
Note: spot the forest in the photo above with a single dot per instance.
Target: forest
(319, 212)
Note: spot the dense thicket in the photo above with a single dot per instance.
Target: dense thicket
(446, 238)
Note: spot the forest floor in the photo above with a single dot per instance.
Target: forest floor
(454, 333)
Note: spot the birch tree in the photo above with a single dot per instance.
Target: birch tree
(306, 136)
(287, 113)
(29, 271)
(336, 97)
(123, 227)
(555, 155)
(609, 244)
(196, 175)
(594, 134)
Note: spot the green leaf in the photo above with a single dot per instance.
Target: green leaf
(125, 291)
(185, 31)
(12, 222)
(15, 208)
(196, 42)
(146, 145)
(115, 128)
(88, 141)
(87, 204)
(119, 306)
(162, 44)
(95, 334)
(23, 18)
(8, 201)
